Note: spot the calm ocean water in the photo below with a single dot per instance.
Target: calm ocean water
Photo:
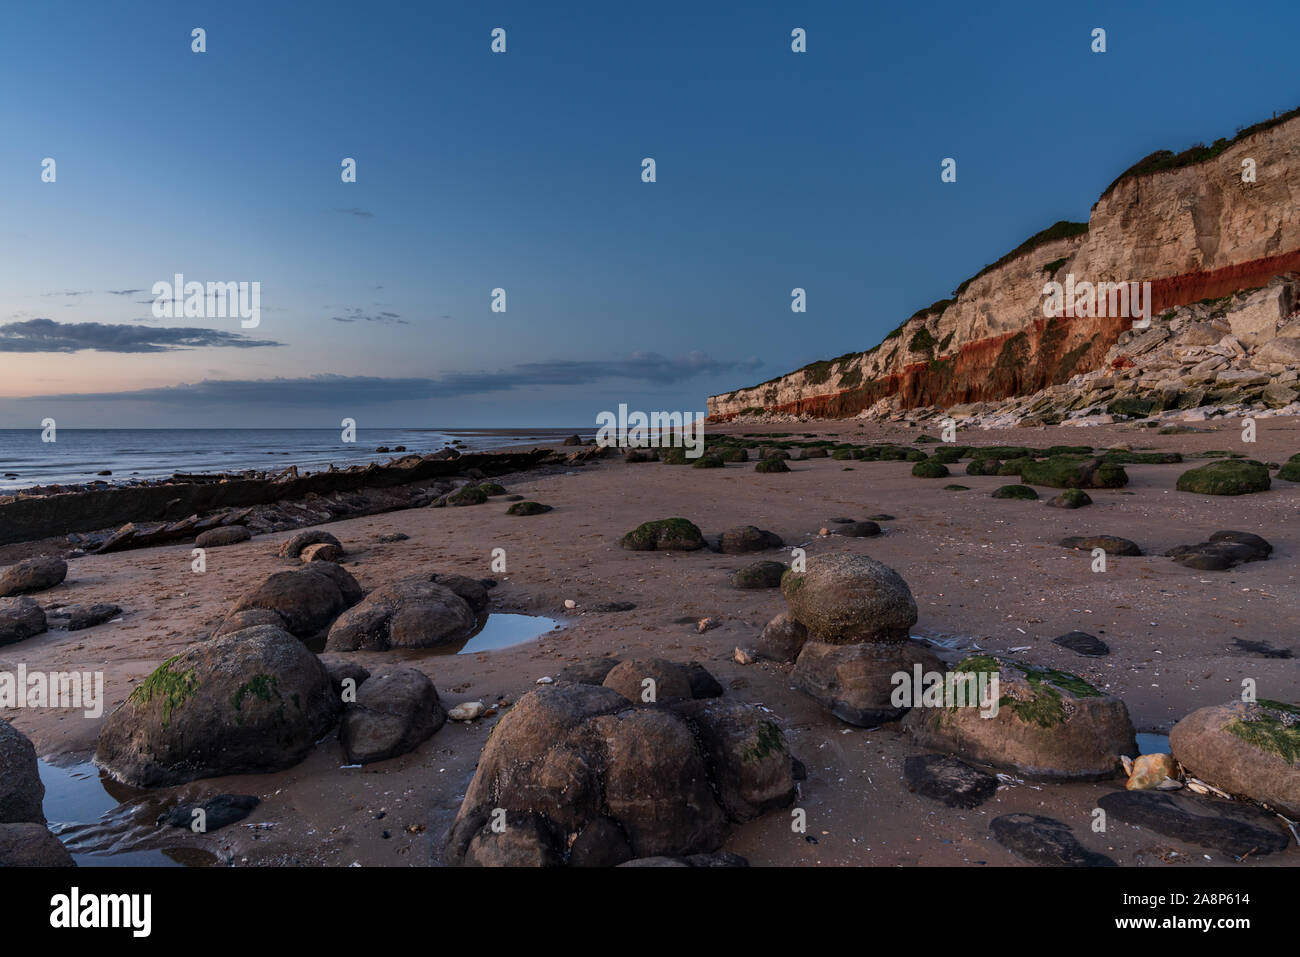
(133, 454)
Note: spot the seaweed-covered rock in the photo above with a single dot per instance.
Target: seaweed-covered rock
(1070, 498)
(1015, 491)
(1049, 724)
(467, 495)
(771, 465)
(759, 575)
(1229, 477)
(1244, 749)
(1072, 471)
(708, 462)
(929, 468)
(245, 703)
(528, 508)
(667, 534)
(844, 598)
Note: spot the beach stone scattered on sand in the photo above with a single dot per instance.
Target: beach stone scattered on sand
(31, 845)
(1045, 841)
(668, 534)
(845, 598)
(590, 671)
(759, 575)
(1110, 544)
(250, 702)
(1245, 749)
(1049, 724)
(225, 535)
(20, 618)
(1227, 477)
(747, 538)
(587, 778)
(1015, 492)
(628, 678)
(865, 529)
(528, 508)
(394, 713)
(343, 670)
(309, 536)
(80, 617)
(782, 638)
(408, 613)
(1071, 498)
(219, 810)
(305, 600)
(32, 575)
(1223, 550)
(1082, 643)
(321, 552)
(1232, 827)
(21, 790)
(948, 779)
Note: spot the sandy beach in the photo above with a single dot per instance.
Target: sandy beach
(987, 575)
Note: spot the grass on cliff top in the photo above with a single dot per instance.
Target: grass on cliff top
(1199, 153)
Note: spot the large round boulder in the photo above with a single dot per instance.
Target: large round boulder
(1244, 749)
(394, 713)
(856, 682)
(248, 702)
(305, 601)
(411, 613)
(845, 598)
(1040, 722)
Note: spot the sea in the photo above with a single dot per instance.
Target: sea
(136, 455)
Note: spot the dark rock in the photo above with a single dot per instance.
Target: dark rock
(1043, 840)
(1082, 643)
(759, 575)
(782, 638)
(1110, 544)
(855, 681)
(609, 606)
(947, 779)
(528, 508)
(394, 713)
(1015, 491)
(80, 617)
(1071, 498)
(592, 671)
(300, 540)
(20, 618)
(409, 613)
(21, 790)
(306, 599)
(341, 670)
(601, 843)
(703, 684)
(858, 530)
(747, 538)
(219, 811)
(628, 678)
(1229, 826)
(669, 534)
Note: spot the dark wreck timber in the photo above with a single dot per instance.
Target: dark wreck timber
(172, 510)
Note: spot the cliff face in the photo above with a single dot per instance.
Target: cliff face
(1194, 232)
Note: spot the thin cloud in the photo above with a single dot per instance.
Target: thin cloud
(47, 335)
(359, 213)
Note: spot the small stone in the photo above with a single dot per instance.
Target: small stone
(467, 711)
(742, 657)
(1082, 643)
(546, 680)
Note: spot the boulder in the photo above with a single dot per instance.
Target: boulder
(1228, 477)
(21, 790)
(1049, 724)
(223, 535)
(31, 845)
(394, 713)
(80, 617)
(747, 538)
(1228, 826)
(629, 678)
(1045, 841)
(782, 638)
(845, 598)
(749, 762)
(945, 778)
(409, 613)
(668, 534)
(759, 575)
(321, 552)
(219, 810)
(1110, 544)
(310, 536)
(1277, 352)
(32, 575)
(305, 600)
(1251, 750)
(20, 618)
(249, 702)
(856, 682)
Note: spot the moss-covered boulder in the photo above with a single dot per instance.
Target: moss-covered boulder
(733, 454)
(771, 465)
(1071, 498)
(759, 575)
(948, 454)
(845, 599)
(1048, 723)
(983, 466)
(1290, 470)
(249, 702)
(673, 455)
(528, 508)
(666, 534)
(1251, 750)
(1234, 477)
(1071, 471)
(708, 462)
(1015, 491)
(930, 469)
(1012, 466)
(468, 495)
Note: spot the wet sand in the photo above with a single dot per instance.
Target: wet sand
(986, 572)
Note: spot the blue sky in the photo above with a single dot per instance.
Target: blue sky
(522, 171)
